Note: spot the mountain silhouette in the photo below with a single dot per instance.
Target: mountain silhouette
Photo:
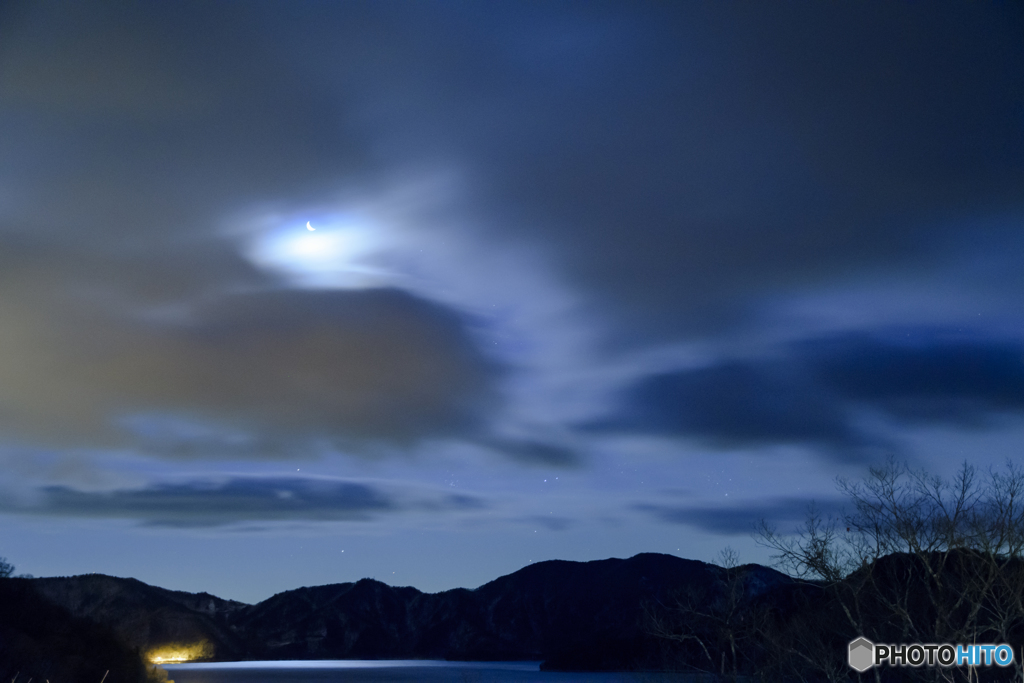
(581, 615)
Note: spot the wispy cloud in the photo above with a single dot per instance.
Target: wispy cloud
(220, 502)
(743, 518)
(818, 390)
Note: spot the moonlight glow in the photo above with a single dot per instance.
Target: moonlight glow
(338, 254)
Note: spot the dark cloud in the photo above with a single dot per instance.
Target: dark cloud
(262, 367)
(735, 151)
(735, 402)
(786, 514)
(536, 452)
(216, 503)
(238, 500)
(814, 392)
(922, 376)
(144, 122)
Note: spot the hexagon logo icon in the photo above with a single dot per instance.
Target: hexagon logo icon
(862, 654)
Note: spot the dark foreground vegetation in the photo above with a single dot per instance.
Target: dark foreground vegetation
(41, 641)
(917, 559)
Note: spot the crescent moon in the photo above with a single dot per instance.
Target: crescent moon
(309, 227)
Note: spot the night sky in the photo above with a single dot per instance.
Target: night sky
(584, 279)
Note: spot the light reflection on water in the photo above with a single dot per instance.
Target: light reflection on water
(398, 671)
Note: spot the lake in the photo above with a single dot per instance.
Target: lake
(400, 671)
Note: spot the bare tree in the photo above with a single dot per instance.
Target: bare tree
(817, 551)
(922, 559)
(6, 568)
(714, 620)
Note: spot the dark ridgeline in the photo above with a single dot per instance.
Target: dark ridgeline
(578, 615)
(648, 612)
(144, 616)
(587, 615)
(42, 641)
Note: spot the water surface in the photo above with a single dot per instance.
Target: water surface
(399, 671)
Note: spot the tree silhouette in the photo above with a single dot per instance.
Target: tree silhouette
(922, 559)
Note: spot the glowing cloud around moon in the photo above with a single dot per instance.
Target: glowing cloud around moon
(338, 253)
